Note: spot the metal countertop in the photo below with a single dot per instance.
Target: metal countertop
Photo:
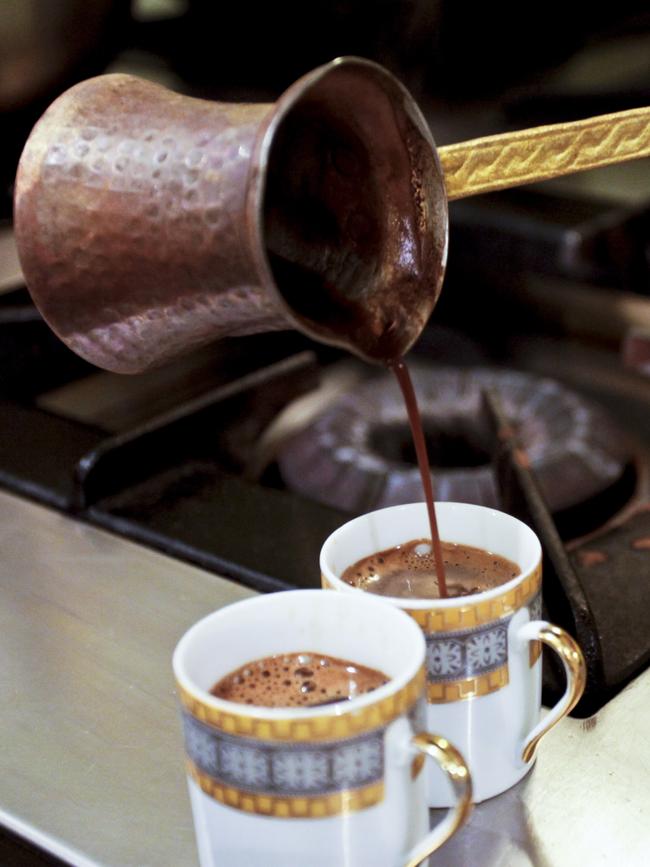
(91, 767)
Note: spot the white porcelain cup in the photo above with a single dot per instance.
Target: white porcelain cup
(332, 786)
(483, 654)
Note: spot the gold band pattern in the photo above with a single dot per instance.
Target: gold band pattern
(303, 807)
(318, 728)
(471, 687)
(469, 615)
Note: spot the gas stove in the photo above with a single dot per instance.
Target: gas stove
(211, 460)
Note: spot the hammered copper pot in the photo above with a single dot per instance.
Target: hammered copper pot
(149, 222)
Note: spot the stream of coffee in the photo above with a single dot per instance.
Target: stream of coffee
(400, 370)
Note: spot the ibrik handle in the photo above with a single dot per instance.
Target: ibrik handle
(525, 156)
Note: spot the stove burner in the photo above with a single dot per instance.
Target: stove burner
(358, 455)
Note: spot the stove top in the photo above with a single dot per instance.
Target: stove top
(159, 458)
(192, 460)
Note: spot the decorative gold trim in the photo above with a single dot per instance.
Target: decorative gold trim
(471, 687)
(576, 673)
(416, 765)
(534, 652)
(470, 615)
(521, 157)
(301, 807)
(319, 728)
(453, 764)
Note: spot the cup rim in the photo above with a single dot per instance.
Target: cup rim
(342, 708)
(419, 603)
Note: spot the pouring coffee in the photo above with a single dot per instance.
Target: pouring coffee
(148, 223)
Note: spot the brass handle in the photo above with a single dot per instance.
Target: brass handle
(576, 674)
(509, 159)
(453, 764)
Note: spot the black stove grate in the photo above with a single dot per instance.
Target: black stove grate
(170, 482)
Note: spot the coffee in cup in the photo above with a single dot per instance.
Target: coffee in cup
(318, 783)
(298, 680)
(409, 570)
(483, 656)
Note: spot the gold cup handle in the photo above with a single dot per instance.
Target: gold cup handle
(453, 764)
(576, 677)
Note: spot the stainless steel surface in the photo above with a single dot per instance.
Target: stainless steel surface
(91, 765)
(91, 762)
(586, 802)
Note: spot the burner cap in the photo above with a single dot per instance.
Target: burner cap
(358, 454)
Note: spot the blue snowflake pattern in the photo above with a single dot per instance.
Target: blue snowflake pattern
(244, 766)
(487, 649)
(300, 771)
(201, 745)
(444, 657)
(358, 764)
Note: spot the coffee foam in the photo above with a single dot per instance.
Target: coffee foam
(409, 570)
(297, 680)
